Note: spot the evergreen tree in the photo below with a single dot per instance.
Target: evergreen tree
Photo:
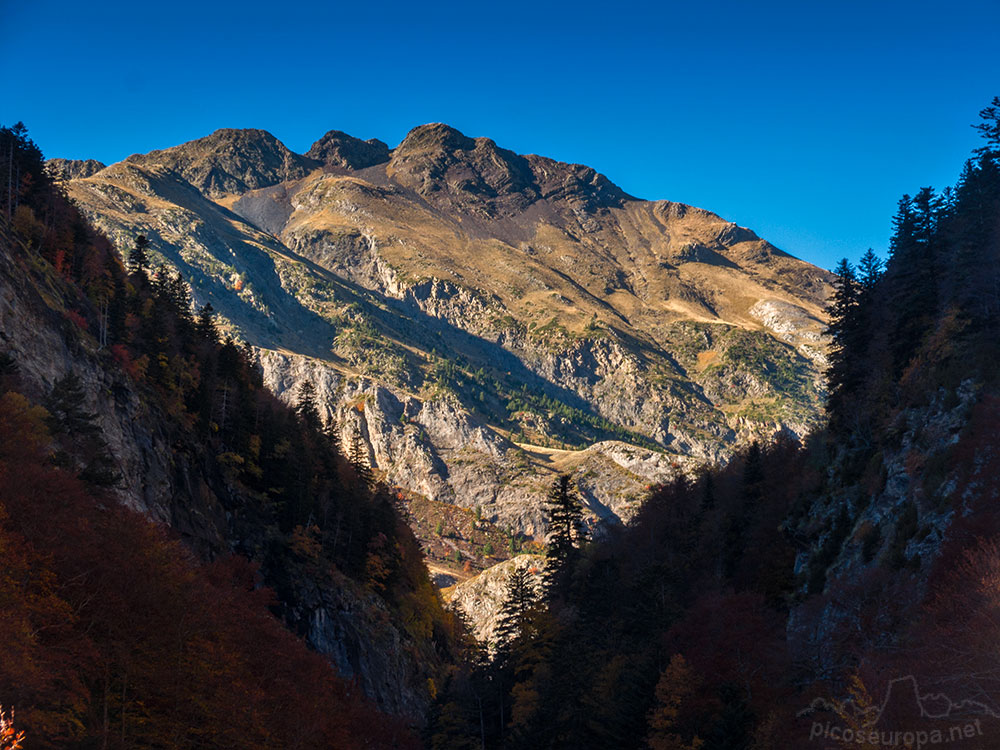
(306, 407)
(205, 324)
(358, 457)
(843, 373)
(81, 443)
(751, 497)
(565, 520)
(520, 598)
(138, 256)
(67, 415)
(989, 129)
(914, 274)
(869, 271)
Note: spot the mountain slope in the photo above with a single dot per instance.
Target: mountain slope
(539, 300)
(113, 394)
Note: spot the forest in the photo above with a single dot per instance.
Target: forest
(710, 621)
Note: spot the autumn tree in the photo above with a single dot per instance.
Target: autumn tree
(10, 737)
(675, 686)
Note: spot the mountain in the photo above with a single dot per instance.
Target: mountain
(187, 559)
(484, 319)
(845, 590)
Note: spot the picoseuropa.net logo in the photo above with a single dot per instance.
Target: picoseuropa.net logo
(904, 719)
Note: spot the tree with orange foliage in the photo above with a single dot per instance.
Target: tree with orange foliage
(10, 738)
(676, 684)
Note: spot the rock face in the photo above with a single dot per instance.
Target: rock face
(481, 598)
(436, 449)
(484, 317)
(896, 517)
(339, 149)
(72, 169)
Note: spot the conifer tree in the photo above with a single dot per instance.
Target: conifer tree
(751, 497)
(358, 457)
(520, 598)
(914, 287)
(989, 128)
(65, 406)
(869, 270)
(332, 433)
(565, 518)
(842, 374)
(81, 443)
(205, 325)
(306, 407)
(138, 256)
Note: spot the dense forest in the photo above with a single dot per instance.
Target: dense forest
(116, 633)
(733, 600)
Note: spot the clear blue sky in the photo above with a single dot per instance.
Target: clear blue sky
(804, 121)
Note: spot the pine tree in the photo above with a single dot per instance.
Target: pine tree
(914, 274)
(65, 406)
(520, 598)
(751, 497)
(332, 433)
(565, 520)
(869, 271)
(204, 327)
(843, 374)
(989, 129)
(138, 257)
(306, 407)
(81, 443)
(358, 458)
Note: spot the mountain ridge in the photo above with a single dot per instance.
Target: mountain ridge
(542, 300)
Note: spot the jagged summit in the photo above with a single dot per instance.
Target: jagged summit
(231, 161)
(461, 173)
(337, 148)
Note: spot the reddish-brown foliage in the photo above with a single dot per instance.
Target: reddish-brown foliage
(114, 636)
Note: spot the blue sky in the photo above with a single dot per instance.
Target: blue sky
(804, 121)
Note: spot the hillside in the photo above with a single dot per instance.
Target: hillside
(168, 522)
(455, 301)
(838, 593)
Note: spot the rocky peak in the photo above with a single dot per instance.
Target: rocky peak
(575, 183)
(458, 172)
(462, 173)
(231, 161)
(339, 149)
(434, 137)
(73, 169)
